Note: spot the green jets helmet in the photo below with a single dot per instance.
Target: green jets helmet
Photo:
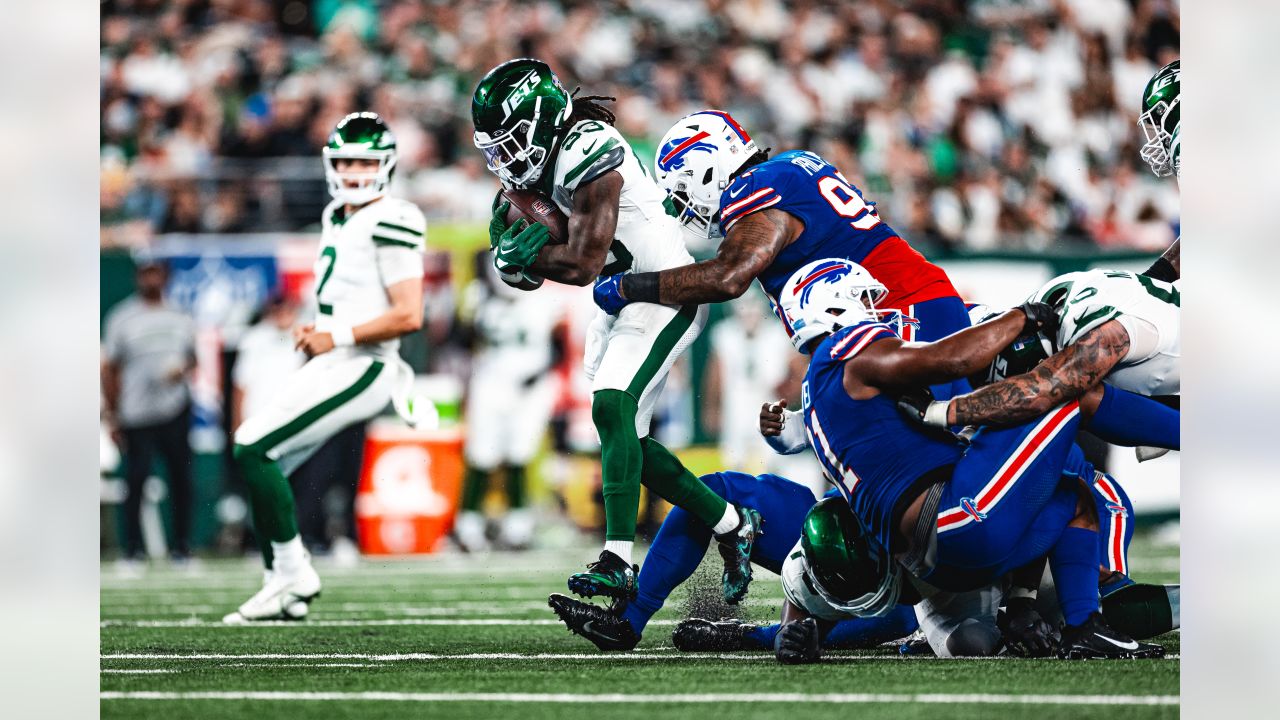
(519, 109)
(844, 564)
(359, 136)
(1160, 121)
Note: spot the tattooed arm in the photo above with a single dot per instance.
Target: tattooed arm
(1065, 376)
(751, 245)
(591, 228)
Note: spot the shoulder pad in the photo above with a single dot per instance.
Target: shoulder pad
(400, 223)
(590, 149)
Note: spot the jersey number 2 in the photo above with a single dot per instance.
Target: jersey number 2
(851, 205)
(331, 254)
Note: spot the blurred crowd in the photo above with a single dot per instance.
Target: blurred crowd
(986, 124)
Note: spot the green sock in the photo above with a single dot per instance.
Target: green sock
(474, 487)
(614, 413)
(274, 516)
(665, 475)
(515, 486)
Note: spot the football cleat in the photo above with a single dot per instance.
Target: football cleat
(735, 548)
(1095, 639)
(699, 635)
(282, 597)
(916, 644)
(603, 628)
(609, 576)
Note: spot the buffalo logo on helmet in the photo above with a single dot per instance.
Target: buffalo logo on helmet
(674, 151)
(828, 272)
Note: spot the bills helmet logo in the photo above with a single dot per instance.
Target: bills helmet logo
(827, 272)
(674, 151)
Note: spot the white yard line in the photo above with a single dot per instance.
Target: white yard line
(839, 699)
(649, 654)
(136, 671)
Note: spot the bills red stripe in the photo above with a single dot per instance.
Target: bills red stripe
(1014, 466)
(742, 134)
(682, 147)
(776, 199)
(853, 335)
(867, 339)
(1115, 535)
(729, 209)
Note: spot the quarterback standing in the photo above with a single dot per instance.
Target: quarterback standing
(369, 293)
(535, 135)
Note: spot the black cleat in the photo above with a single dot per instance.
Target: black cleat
(698, 635)
(604, 629)
(1095, 639)
(610, 576)
(735, 548)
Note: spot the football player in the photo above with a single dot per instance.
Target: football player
(675, 554)
(535, 135)
(509, 402)
(1161, 123)
(1111, 325)
(776, 215)
(960, 515)
(369, 293)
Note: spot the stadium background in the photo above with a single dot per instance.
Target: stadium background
(999, 137)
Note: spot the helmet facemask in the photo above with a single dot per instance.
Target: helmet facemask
(1154, 122)
(513, 154)
(844, 564)
(702, 217)
(369, 186)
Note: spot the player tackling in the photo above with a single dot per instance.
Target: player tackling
(368, 293)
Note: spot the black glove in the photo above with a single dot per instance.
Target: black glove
(1041, 318)
(1026, 633)
(797, 643)
(919, 407)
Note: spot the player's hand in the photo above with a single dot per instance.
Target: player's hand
(919, 407)
(315, 343)
(1025, 632)
(519, 246)
(797, 643)
(608, 294)
(302, 331)
(1041, 318)
(771, 418)
(498, 223)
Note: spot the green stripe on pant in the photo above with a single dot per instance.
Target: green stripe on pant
(307, 418)
(666, 341)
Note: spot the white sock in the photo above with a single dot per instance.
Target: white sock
(729, 522)
(621, 548)
(289, 555)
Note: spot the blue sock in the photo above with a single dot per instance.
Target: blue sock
(764, 635)
(1126, 418)
(676, 551)
(1114, 583)
(866, 632)
(1074, 562)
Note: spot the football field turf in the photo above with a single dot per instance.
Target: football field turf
(472, 637)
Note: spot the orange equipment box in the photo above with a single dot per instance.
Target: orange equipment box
(409, 488)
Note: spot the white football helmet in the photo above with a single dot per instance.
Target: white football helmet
(695, 161)
(826, 295)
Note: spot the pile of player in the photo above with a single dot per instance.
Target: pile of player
(951, 446)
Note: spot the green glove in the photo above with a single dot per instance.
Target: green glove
(519, 246)
(498, 224)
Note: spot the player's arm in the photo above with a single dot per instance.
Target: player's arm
(896, 364)
(751, 245)
(1169, 267)
(591, 229)
(1064, 376)
(404, 316)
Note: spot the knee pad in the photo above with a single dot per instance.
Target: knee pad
(973, 638)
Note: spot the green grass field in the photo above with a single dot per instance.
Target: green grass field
(472, 637)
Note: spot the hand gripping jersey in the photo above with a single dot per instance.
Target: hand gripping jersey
(1150, 311)
(379, 245)
(867, 449)
(647, 239)
(838, 223)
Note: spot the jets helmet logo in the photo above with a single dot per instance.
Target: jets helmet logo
(522, 90)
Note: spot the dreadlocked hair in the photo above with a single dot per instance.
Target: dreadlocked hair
(756, 158)
(588, 107)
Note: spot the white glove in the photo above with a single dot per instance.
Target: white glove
(792, 439)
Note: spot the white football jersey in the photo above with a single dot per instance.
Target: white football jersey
(647, 239)
(515, 336)
(379, 245)
(1150, 311)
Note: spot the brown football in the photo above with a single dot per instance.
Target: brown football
(533, 206)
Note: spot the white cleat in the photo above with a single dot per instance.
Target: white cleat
(469, 530)
(517, 529)
(282, 597)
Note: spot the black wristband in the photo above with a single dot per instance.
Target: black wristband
(640, 287)
(1162, 269)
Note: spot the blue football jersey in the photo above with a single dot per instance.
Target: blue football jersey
(867, 449)
(838, 221)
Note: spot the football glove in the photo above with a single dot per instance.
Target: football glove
(797, 643)
(608, 294)
(919, 407)
(519, 245)
(1026, 633)
(1041, 318)
(498, 223)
